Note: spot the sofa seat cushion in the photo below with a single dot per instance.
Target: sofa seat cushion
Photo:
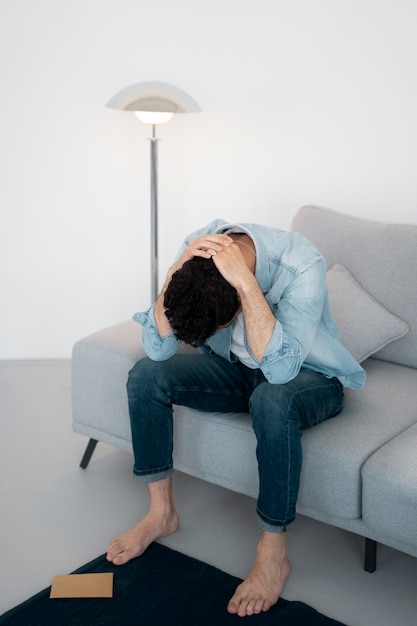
(390, 487)
(335, 451)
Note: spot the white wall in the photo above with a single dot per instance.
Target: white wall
(304, 101)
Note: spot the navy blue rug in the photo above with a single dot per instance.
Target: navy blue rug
(161, 588)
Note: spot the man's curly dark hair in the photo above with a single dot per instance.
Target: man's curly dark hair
(198, 300)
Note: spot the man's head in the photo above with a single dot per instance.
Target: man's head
(198, 301)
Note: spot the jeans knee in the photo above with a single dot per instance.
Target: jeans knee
(270, 399)
(141, 377)
(151, 378)
(136, 374)
(270, 406)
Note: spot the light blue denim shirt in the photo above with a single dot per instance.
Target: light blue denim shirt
(292, 275)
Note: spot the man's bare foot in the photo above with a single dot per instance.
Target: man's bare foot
(135, 541)
(161, 521)
(264, 585)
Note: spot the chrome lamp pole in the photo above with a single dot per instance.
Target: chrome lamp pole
(154, 214)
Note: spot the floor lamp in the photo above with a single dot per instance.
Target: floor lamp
(154, 103)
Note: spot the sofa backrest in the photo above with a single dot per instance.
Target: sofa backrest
(381, 256)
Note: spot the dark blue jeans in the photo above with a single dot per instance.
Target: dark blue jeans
(210, 383)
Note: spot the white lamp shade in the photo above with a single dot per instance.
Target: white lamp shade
(154, 97)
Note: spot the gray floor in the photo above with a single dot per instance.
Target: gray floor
(55, 517)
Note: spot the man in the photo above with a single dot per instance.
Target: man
(255, 300)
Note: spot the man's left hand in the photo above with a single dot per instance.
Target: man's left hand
(232, 266)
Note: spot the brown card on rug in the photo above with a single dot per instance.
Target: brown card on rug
(82, 586)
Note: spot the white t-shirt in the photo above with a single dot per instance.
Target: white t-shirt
(238, 345)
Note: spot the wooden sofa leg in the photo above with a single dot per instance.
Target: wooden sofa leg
(370, 555)
(91, 446)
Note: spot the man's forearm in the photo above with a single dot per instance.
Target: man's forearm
(259, 320)
(161, 319)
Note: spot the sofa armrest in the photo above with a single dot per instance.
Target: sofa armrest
(100, 366)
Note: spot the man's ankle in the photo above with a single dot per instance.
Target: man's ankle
(273, 543)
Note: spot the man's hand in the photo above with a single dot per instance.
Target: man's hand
(205, 246)
(233, 267)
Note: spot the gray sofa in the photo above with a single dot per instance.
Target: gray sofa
(360, 468)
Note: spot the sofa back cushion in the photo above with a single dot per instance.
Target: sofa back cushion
(381, 256)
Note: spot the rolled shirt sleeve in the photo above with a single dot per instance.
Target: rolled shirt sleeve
(157, 348)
